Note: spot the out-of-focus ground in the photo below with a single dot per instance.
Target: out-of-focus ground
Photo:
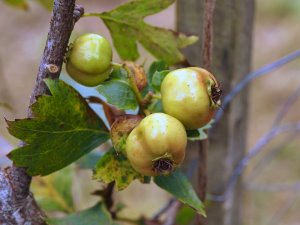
(276, 33)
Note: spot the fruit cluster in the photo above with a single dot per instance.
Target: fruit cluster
(189, 96)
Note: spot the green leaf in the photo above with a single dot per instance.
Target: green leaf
(178, 185)
(53, 192)
(97, 215)
(199, 134)
(185, 215)
(113, 167)
(156, 66)
(118, 93)
(63, 129)
(119, 73)
(127, 26)
(157, 79)
(156, 106)
(20, 4)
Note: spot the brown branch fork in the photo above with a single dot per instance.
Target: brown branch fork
(17, 204)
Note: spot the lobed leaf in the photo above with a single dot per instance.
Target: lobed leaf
(63, 129)
(178, 185)
(127, 26)
(113, 167)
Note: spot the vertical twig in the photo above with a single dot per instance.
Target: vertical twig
(208, 33)
(209, 6)
(17, 204)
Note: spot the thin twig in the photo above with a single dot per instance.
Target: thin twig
(274, 187)
(209, 6)
(263, 141)
(263, 162)
(279, 117)
(17, 204)
(286, 106)
(251, 76)
(164, 209)
(274, 131)
(108, 195)
(193, 165)
(171, 214)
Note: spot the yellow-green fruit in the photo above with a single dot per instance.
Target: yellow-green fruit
(191, 95)
(157, 145)
(89, 59)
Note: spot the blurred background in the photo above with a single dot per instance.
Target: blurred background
(272, 192)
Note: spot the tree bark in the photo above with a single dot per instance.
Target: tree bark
(231, 58)
(17, 204)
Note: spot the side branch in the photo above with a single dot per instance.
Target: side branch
(64, 16)
(17, 204)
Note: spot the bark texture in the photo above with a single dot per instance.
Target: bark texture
(231, 58)
(17, 204)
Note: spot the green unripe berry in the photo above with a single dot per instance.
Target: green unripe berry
(157, 145)
(191, 95)
(89, 59)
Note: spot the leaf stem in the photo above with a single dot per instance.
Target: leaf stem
(90, 14)
(107, 196)
(116, 64)
(156, 96)
(134, 86)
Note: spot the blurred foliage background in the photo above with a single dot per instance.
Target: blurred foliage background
(270, 197)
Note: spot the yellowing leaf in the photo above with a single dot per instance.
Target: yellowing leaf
(113, 167)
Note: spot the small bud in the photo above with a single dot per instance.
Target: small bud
(52, 68)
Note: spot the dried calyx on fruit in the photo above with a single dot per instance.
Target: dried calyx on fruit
(89, 59)
(191, 95)
(157, 145)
